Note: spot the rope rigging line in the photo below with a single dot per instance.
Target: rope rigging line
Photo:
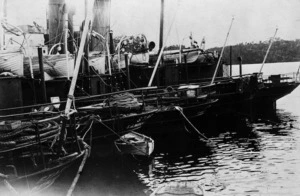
(93, 69)
(89, 128)
(123, 72)
(195, 129)
(190, 123)
(82, 89)
(98, 43)
(53, 39)
(73, 41)
(100, 121)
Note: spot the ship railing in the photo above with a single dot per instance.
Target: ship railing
(220, 79)
(281, 78)
(140, 93)
(45, 110)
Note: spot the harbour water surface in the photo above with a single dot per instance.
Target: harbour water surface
(259, 158)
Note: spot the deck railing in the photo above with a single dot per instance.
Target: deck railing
(281, 78)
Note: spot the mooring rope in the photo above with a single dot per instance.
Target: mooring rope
(120, 137)
(90, 126)
(189, 122)
(195, 129)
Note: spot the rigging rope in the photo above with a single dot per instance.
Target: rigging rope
(26, 134)
(100, 121)
(189, 122)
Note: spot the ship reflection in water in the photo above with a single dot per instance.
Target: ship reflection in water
(243, 158)
(261, 159)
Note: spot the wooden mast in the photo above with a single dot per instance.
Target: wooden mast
(3, 15)
(66, 31)
(78, 61)
(220, 57)
(161, 29)
(265, 58)
(1, 29)
(85, 66)
(161, 40)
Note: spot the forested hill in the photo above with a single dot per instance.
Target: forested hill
(281, 51)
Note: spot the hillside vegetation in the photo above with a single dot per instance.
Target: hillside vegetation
(281, 51)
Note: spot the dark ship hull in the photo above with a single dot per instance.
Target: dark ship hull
(274, 88)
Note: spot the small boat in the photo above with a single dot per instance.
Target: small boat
(54, 65)
(12, 61)
(186, 188)
(135, 143)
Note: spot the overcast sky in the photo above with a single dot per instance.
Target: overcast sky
(255, 20)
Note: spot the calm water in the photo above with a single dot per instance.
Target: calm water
(260, 158)
(268, 68)
(256, 158)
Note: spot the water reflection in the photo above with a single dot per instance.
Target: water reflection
(261, 160)
(112, 175)
(243, 157)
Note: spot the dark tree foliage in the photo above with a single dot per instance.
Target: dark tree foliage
(174, 47)
(281, 51)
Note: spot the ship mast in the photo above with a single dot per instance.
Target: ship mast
(220, 57)
(78, 62)
(161, 29)
(65, 20)
(1, 29)
(3, 15)
(265, 58)
(161, 41)
(162, 45)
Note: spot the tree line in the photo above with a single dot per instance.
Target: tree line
(281, 51)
